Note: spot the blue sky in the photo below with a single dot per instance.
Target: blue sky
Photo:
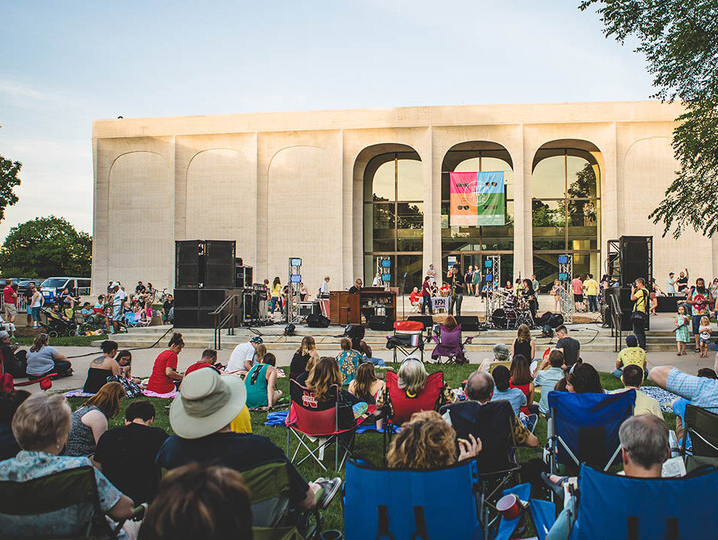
(65, 64)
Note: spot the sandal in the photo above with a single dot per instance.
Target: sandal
(556, 488)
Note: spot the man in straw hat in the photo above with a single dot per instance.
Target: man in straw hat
(200, 417)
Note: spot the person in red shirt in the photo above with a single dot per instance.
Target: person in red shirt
(209, 359)
(164, 372)
(9, 298)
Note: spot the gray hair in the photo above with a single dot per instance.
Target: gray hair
(645, 438)
(42, 421)
(479, 386)
(501, 352)
(412, 375)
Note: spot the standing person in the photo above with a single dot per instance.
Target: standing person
(126, 455)
(9, 296)
(35, 302)
(476, 280)
(591, 288)
(699, 298)
(713, 288)
(469, 279)
(671, 284)
(639, 314)
(528, 292)
(426, 296)
(431, 273)
(682, 334)
(682, 282)
(457, 290)
(303, 293)
(119, 297)
(324, 288)
(535, 283)
(275, 293)
(43, 360)
(705, 335)
(377, 280)
(577, 288)
(556, 291)
(165, 376)
(167, 306)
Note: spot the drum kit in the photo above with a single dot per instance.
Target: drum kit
(508, 311)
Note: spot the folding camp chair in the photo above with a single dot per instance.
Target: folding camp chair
(648, 508)
(407, 338)
(307, 421)
(701, 428)
(392, 503)
(272, 516)
(22, 502)
(491, 422)
(583, 428)
(449, 344)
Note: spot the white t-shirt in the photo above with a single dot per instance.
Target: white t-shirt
(119, 296)
(241, 353)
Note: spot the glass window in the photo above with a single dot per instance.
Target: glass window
(548, 179)
(411, 180)
(383, 183)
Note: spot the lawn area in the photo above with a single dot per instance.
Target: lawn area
(63, 341)
(368, 445)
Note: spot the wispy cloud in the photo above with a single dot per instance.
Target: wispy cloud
(20, 93)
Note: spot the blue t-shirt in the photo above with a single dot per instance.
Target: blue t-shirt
(42, 361)
(514, 396)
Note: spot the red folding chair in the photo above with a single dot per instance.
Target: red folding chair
(308, 419)
(8, 384)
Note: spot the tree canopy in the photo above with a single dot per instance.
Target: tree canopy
(44, 247)
(8, 180)
(680, 41)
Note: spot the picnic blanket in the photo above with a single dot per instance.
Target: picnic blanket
(279, 418)
(147, 393)
(664, 398)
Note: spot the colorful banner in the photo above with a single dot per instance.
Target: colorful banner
(477, 199)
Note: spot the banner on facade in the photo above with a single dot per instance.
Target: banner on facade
(477, 199)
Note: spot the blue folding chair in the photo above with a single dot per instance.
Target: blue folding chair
(612, 506)
(583, 428)
(398, 504)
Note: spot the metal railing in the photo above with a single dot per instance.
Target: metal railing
(617, 322)
(227, 315)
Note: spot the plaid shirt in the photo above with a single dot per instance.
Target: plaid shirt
(700, 391)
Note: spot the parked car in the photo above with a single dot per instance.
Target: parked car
(53, 286)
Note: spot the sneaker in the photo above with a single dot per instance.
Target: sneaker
(331, 487)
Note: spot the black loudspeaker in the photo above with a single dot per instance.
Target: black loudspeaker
(194, 307)
(626, 305)
(205, 263)
(380, 322)
(555, 320)
(469, 323)
(426, 320)
(317, 321)
(635, 258)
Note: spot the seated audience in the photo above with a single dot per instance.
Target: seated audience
(583, 379)
(208, 359)
(570, 347)
(124, 360)
(700, 391)
(200, 417)
(503, 390)
(631, 354)
(501, 355)
(13, 361)
(679, 405)
(449, 322)
(261, 383)
(9, 403)
(126, 455)
(41, 426)
(102, 367)
(547, 379)
(427, 441)
(43, 360)
(348, 360)
(89, 422)
(215, 505)
(523, 344)
(358, 344)
(243, 355)
(87, 313)
(412, 390)
(644, 448)
(366, 385)
(165, 376)
(307, 350)
(521, 378)
(324, 381)
(415, 298)
(632, 377)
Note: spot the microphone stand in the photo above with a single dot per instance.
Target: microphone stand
(403, 299)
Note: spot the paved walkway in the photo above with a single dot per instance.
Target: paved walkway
(143, 360)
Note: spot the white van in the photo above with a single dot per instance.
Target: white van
(53, 286)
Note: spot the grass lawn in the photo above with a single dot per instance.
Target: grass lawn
(368, 445)
(63, 341)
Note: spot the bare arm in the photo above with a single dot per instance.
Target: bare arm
(532, 441)
(115, 367)
(271, 384)
(172, 374)
(123, 509)
(533, 350)
(659, 375)
(59, 356)
(97, 422)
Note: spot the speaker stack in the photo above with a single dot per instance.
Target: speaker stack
(635, 259)
(205, 275)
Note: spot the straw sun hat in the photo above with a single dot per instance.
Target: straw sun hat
(207, 402)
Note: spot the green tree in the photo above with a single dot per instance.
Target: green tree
(8, 180)
(679, 39)
(45, 247)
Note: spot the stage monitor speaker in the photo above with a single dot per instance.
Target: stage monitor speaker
(636, 258)
(242, 276)
(380, 322)
(555, 320)
(186, 298)
(426, 320)
(469, 323)
(186, 318)
(204, 263)
(317, 321)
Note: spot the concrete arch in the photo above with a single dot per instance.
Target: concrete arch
(477, 145)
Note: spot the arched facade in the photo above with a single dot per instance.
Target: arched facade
(340, 188)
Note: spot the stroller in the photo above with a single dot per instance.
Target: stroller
(449, 344)
(57, 324)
